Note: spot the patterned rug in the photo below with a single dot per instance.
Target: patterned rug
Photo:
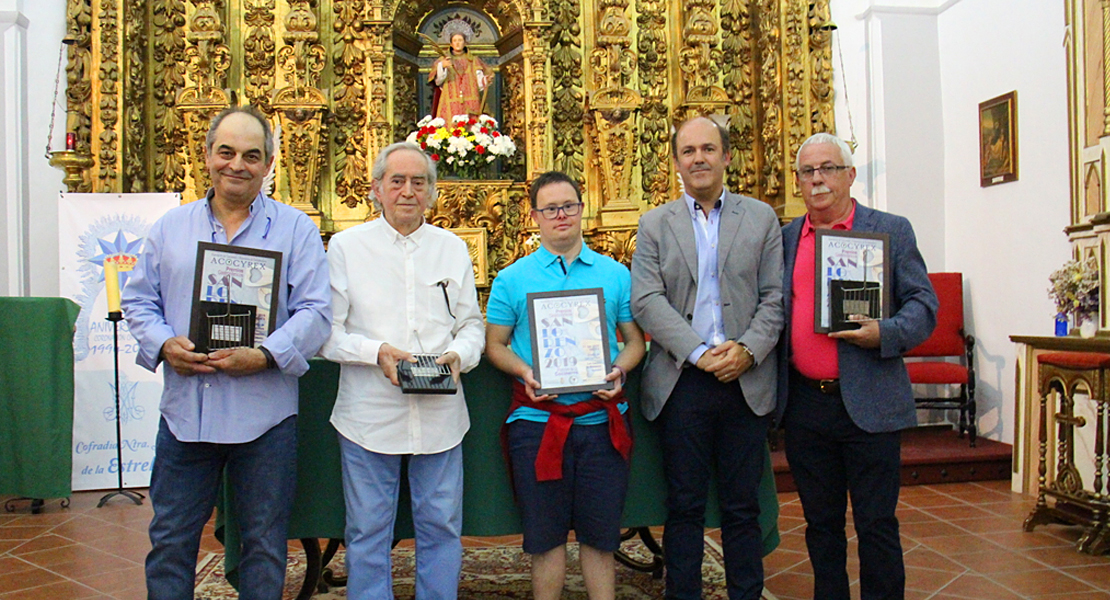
(494, 573)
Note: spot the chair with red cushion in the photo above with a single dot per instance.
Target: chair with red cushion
(948, 341)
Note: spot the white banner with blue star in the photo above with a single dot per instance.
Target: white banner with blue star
(95, 229)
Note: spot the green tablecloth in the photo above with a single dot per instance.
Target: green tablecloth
(488, 507)
(36, 396)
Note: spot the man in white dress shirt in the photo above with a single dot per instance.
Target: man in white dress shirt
(401, 286)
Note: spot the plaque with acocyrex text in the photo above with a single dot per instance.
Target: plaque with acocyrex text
(852, 281)
(570, 341)
(235, 294)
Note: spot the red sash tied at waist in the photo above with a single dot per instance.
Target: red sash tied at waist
(549, 460)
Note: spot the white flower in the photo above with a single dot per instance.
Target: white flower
(412, 137)
(437, 122)
(459, 145)
(434, 142)
(423, 122)
(460, 118)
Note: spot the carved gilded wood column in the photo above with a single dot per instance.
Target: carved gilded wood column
(537, 113)
(655, 113)
(208, 60)
(348, 97)
(612, 122)
(301, 108)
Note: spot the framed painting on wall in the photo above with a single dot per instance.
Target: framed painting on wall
(998, 150)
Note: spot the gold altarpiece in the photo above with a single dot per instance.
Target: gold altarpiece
(589, 88)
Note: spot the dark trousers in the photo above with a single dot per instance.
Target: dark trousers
(707, 426)
(830, 458)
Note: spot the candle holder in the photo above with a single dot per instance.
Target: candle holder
(73, 164)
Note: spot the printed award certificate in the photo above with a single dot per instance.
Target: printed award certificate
(570, 341)
(851, 279)
(235, 292)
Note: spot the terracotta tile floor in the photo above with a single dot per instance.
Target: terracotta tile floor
(961, 540)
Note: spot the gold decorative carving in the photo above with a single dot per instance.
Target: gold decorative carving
(535, 99)
(301, 107)
(655, 123)
(168, 76)
(700, 59)
(352, 182)
(108, 103)
(476, 244)
(513, 120)
(613, 108)
(589, 88)
(739, 84)
(567, 96)
(496, 207)
(820, 73)
(79, 72)
(620, 243)
(135, 139)
(405, 107)
(208, 60)
(259, 61)
(771, 97)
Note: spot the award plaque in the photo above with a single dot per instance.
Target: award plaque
(851, 279)
(425, 377)
(570, 341)
(235, 290)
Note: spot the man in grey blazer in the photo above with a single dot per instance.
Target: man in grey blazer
(844, 396)
(707, 287)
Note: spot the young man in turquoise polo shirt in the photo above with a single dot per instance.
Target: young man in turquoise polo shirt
(585, 489)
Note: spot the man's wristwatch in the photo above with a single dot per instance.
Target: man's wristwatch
(270, 362)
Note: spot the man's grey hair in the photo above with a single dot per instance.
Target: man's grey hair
(377, 172)
(825, 138)
(267, 132)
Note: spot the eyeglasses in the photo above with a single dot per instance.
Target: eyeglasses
(806, 174)
(552, 212)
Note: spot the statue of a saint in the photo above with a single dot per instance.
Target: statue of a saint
(460, 81)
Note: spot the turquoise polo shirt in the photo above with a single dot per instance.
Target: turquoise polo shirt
(543, 271)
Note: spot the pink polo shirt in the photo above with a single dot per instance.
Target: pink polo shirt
(813, 354)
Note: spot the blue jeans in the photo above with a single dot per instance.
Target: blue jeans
(707, 426)
(183, 486)
(830, 457)
(371, 483)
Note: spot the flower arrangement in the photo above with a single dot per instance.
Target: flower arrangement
(1075, 288)
(464, 145)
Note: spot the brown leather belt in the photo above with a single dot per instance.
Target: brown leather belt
(825, 386)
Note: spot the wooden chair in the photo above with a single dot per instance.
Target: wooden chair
(948, 341)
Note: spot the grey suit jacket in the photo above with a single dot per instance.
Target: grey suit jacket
(873, 382)
(664, 291)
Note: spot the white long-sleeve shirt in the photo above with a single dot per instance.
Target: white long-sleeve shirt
(388, 288)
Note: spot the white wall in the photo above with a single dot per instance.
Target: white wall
(1006, 238)
(916, 71)
(30, 36)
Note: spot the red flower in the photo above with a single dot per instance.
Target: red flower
(435, 156)
(423, 145)
(484, 130)
(480, 149)
(496, 134)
